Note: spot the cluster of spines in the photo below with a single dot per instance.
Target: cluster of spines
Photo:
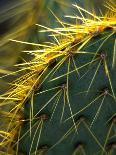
(25, 86)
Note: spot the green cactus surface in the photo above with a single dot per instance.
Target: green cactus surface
(74, 108)
(63, 101)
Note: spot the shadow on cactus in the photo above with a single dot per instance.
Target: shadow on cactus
(64, 101)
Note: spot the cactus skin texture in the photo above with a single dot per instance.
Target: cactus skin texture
(74, 105)
(65, 100)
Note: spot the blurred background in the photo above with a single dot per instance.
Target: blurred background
(17, 22)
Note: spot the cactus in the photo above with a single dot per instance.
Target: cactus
(63, 103)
